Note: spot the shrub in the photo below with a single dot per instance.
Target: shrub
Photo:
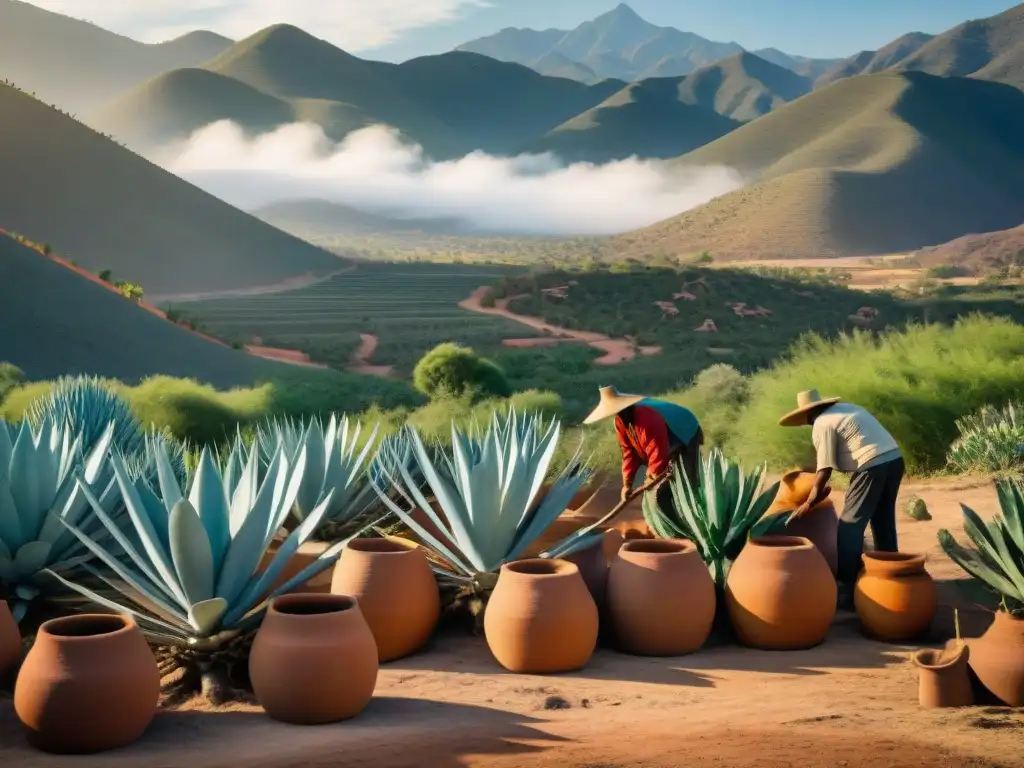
(452, 369)
(991, 440)
(10, 377)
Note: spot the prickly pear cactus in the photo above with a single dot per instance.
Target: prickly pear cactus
(916, 509)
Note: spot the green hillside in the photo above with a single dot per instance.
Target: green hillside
(77, 65)
(106, 208)
(874, 164)
(322, 218)
(742, 87)
(646, 118)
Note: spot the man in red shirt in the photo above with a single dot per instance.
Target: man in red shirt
(651, 433)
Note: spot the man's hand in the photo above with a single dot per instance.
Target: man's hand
(800, 511)
(626, 490)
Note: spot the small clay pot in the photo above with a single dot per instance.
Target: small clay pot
(943, 680)
(90, 683)
(780, 594)
(313, 660)
(10, 643)
(396, 590)
(661, 597)
(894, 596)
(820, 524)
(997, 658)
(541, 618)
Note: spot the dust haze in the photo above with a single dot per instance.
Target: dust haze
(374, 171)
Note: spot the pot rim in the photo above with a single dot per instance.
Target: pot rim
(330, 604)
(955, 658)
(381, 545)
(897, 557)
(659, 547)
(780, 542)
(546, 567)
(120, 625)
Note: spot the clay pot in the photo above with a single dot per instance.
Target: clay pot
(780, 594)
(10, 643)
(541, 618)
(396, 590)
(593, 568)
(314, 659)
(89, 683)
(894, 596)
(794, 489)
(661, 597)
(997, 658)
(943, 680)
(820, 524)
(307, 554)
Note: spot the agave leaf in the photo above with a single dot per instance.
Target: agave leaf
(31, 558)
(208, 498)
(970, 561)
(10, 523)
(24, 489)
(1011, 502)
(191, 553)
(205, 616)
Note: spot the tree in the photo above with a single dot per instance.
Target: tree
(452, 369)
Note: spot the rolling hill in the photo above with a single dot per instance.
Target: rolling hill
(869, 62)
(97, 203)
(322, 218)
(77, 65)
(55, 322)
(979, 253)
(742, 87)
(873, 164)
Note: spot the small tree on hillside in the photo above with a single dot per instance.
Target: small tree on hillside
(452, 369)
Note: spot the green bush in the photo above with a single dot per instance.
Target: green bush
(10, 377)
(454, 370)
(991, 440)
(917, 382)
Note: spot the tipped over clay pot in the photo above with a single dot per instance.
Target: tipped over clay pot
(314, 659)
(780, 594)
(895, 596)
(943, 680)
(396, 590)
(541, 618)
(661, 597)
(997, 658)
(10, 643)
(90, 683)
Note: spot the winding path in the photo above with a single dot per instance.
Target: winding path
(290, 284)
(615, 350)
(364, 354)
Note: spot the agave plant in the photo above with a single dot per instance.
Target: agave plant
(991, 440)
(38, 491)
(997, 559)
(487, 490)
(719, 514)
(188, 568)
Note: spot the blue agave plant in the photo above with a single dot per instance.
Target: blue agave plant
(188, 567)
(39, 492)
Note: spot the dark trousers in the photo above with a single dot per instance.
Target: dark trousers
(870, 500)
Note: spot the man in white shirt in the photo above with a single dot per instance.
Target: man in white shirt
(849, 439)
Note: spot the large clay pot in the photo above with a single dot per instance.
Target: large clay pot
(396, 590)
(10, 643)
(89, 683)
(314, 659)
(942, 678)
(894, 596)
(661, 597)
(780, 594)
(593, 567)
(541, 618)
(997, 658)
(821, 523)
(307, 554)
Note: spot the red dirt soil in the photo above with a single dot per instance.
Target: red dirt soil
(979, 253)
(849, 702)
(615, 350)
(364, 354)
(292, 356)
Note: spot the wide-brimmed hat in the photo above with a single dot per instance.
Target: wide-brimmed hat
(612, 401)
(805, 401)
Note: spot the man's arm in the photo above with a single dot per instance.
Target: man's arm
(652, 434)
(825, 440)
(630, 460)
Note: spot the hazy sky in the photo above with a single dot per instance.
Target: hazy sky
(401, 29)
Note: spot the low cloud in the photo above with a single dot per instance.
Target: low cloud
(374, 171)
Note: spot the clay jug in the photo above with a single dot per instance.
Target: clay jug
(10, 644)
(661, 597)
(314, 659)
(894, 596)
(396, 590)
(942, 677)
(820, 524)
(997, 658)
(89, 683)
(780, 594)
(541, 618)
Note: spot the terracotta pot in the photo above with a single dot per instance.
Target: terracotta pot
(314, 659)
(780, 594)
(661, 597)
(89, 683)
(820, 524)
(894, 596)
(10, 643)
(541, 618)
(997, 658)
(593, 567)
(396, 590)
(306, 555)
(943, 680)
(795, 488)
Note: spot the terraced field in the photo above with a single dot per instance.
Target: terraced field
(408, 307)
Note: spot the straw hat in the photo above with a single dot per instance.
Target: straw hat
(612, 401)
(805, 401)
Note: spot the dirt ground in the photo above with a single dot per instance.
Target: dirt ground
(849, 702)
(362, 357)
